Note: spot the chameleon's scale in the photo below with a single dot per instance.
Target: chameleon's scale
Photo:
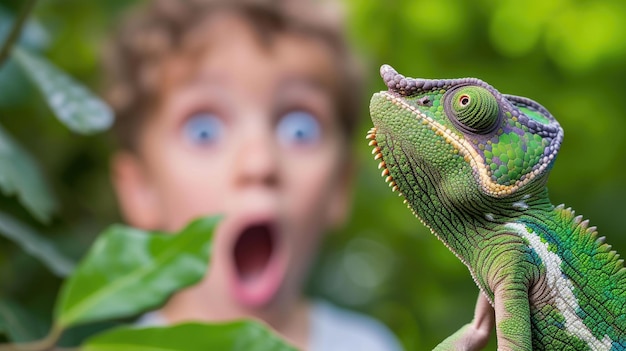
(472, 164)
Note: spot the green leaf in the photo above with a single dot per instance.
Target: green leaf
(72, 103)
(20, 175)
(128, 271)
(19, 324)
(35, 245)
(234, 336)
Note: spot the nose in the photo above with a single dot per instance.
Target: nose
(256, 161)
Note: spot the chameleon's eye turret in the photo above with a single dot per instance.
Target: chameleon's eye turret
(474, 108)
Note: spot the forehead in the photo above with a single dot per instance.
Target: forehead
(227, 46)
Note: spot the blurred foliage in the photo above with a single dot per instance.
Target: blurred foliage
(569, 55)
(124, 273)
(237, 335)
(138, 268)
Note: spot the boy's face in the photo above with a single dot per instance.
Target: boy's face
(249, 132)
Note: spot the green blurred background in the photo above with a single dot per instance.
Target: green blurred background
(568, 55)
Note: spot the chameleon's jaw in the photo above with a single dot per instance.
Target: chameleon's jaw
(378, 155)
(385, 173)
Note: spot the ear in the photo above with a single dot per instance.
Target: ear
(340, 202)
(135, 194)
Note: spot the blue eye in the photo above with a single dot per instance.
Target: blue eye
(203, 129)
(298, 127)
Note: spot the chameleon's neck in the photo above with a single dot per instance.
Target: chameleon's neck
(497, 224)
(466, 230)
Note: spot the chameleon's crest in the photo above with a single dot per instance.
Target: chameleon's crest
(508, 140)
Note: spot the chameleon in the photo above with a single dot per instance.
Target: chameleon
(472, 165)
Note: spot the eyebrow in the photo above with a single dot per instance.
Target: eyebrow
(299, 88)
(309, 83)
(205, 79)
(210, 83)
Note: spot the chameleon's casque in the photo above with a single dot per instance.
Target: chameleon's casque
(472, 165)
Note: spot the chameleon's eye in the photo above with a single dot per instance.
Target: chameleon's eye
(464, 100)
(474, 108)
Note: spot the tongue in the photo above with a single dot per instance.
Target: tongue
(253, 251)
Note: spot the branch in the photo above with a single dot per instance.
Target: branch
(5, 50)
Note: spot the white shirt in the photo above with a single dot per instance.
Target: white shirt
(332, 329)
(337, 329)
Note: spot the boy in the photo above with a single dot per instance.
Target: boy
(246, 110)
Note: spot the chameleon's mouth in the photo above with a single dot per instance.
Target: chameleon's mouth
(378, 155)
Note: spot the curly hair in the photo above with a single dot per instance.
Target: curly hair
(151, 33)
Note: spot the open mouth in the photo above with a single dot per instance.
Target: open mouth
(258, 268)
(253, 252)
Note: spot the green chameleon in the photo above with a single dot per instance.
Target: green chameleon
(472, 165)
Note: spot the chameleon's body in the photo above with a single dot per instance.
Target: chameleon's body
(472, 164)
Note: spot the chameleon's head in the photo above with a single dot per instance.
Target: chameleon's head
(459, 136)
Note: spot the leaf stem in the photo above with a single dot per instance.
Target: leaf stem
(45, 344)
(5, 50)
